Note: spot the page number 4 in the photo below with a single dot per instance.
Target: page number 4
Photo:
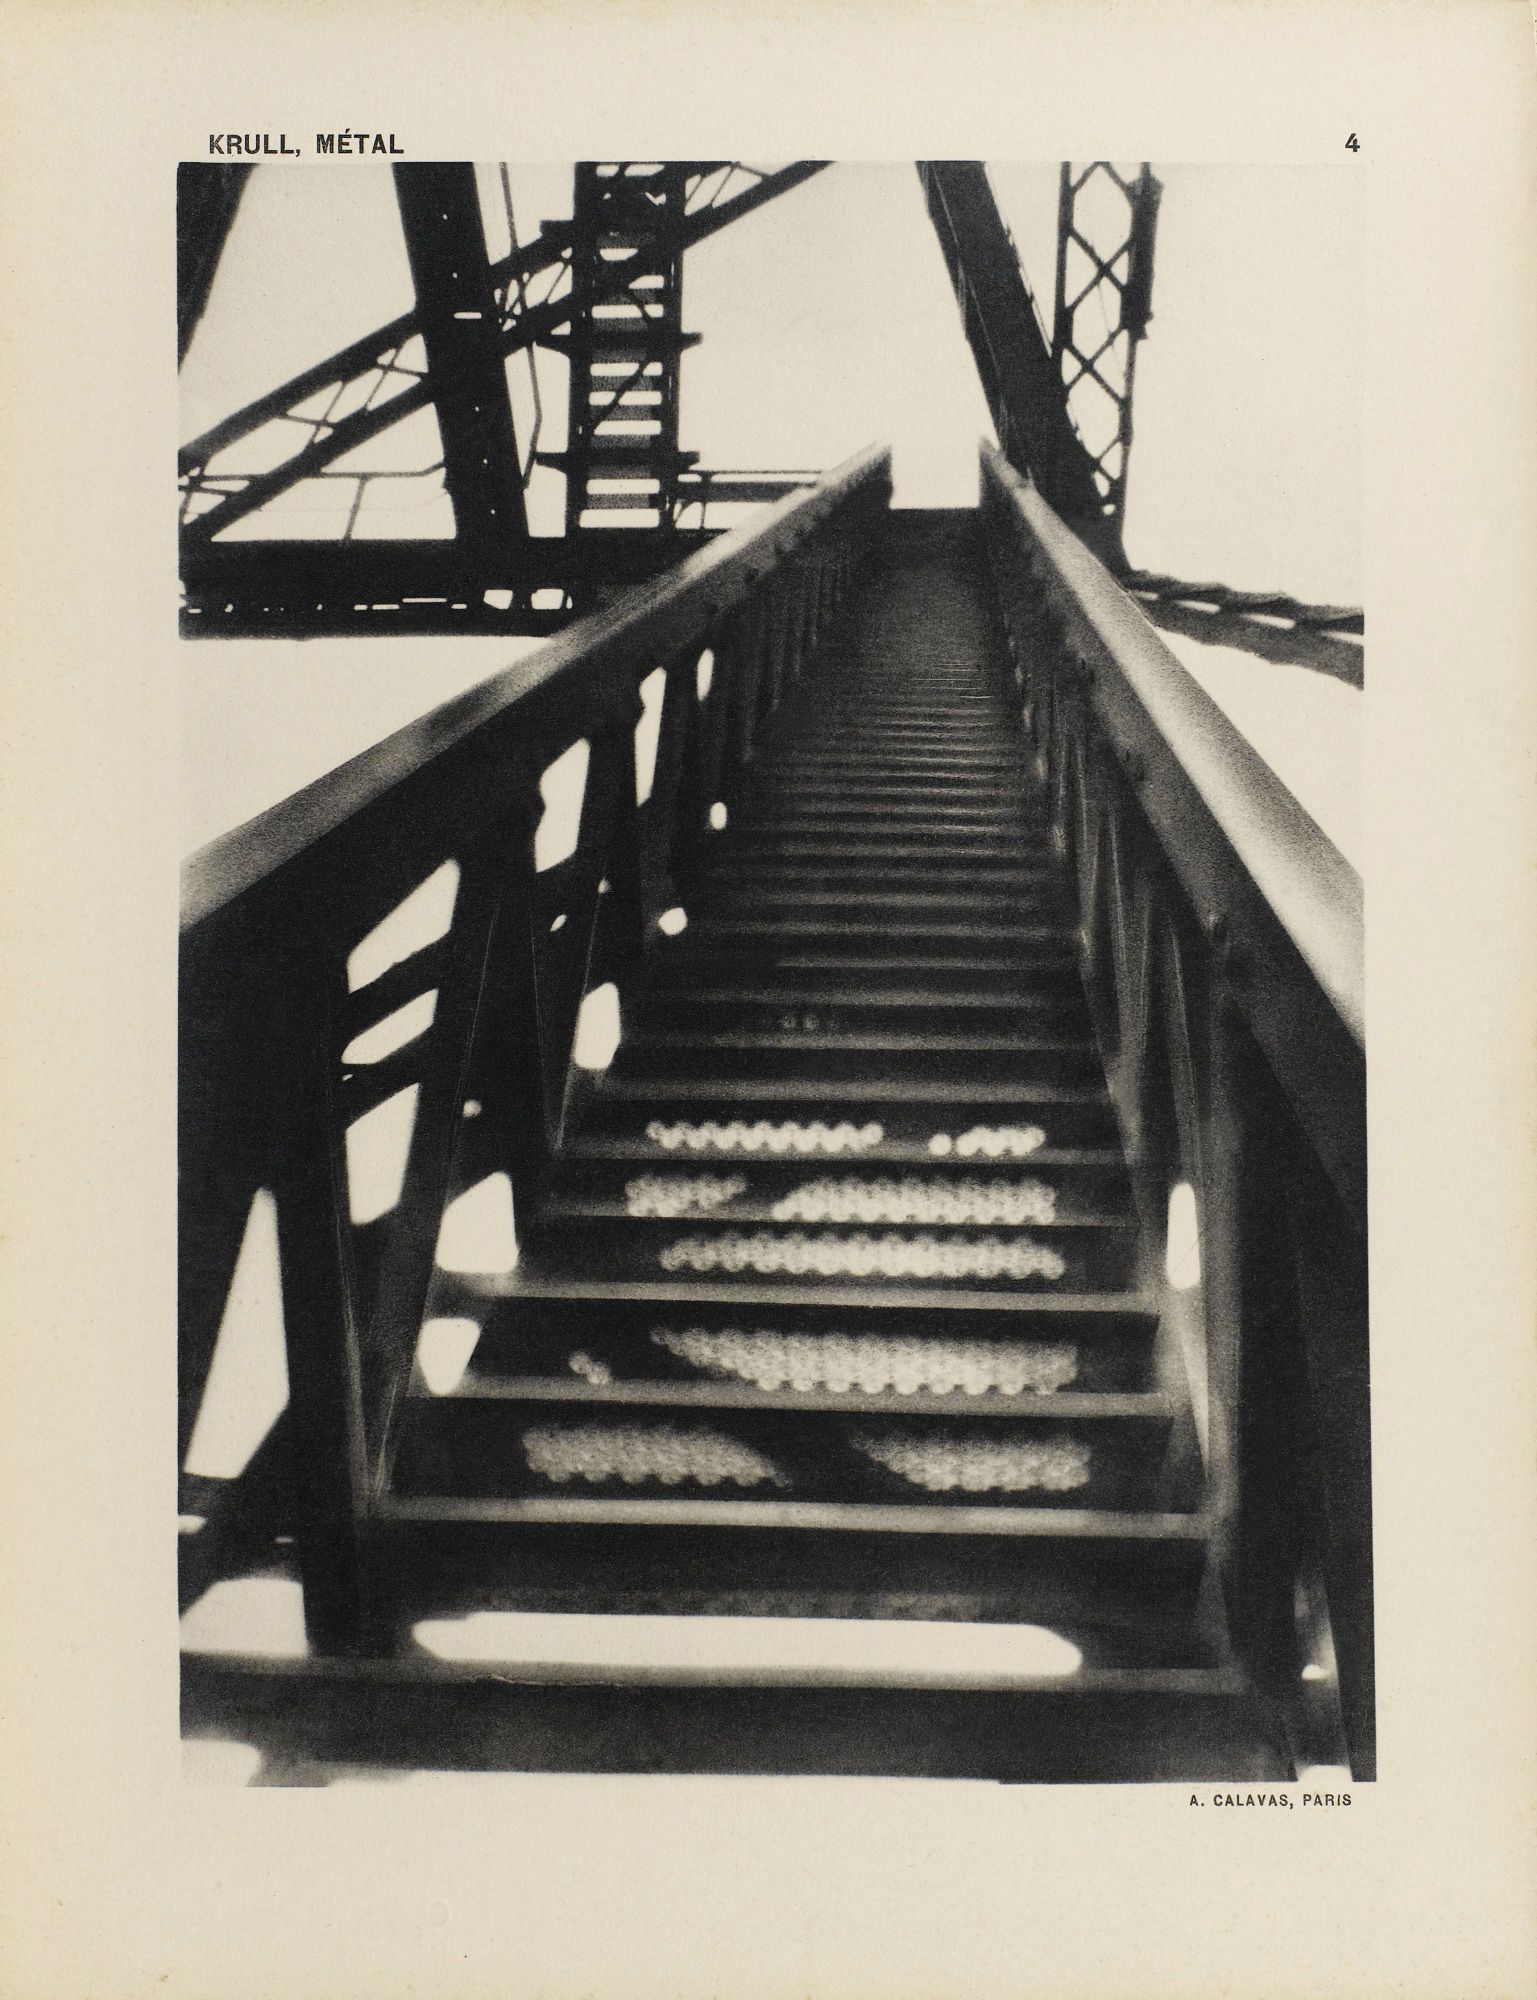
(1352, 144)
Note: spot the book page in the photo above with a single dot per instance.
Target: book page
(120, 1880)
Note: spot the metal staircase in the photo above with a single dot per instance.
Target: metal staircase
(838, 1293)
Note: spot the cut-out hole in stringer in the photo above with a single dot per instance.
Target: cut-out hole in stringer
(247, 1386)
(671, 922)
(479, 1230)
(563, 787)
(421, 919)
(597, 1028)
(704, 674)
(443, 1352)
(648, 732)
(718, 815)
(394, 1031)
(378, 1145)
(1182, 1259)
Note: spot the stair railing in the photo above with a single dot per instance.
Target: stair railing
(1223, 956)
(300, 1019)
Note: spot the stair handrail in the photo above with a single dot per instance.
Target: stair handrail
(1184, 750)
(1222, 942)
(273, 911)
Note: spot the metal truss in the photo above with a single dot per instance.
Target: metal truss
(1106, 230)
(1106, 227)
(563, 291)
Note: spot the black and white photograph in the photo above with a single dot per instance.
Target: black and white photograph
(779, 1184)
(769, 1167)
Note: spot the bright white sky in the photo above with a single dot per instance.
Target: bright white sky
(828, 321)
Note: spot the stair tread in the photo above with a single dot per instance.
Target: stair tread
(597, 1146)
(568, 1208)
(762, 893)
(829, 880)
(865, 996)
(837, 1516)
(628, 1443)
(891, 1042)
(642, 1393)
(535, 1279)
(872, 1090)
(421, 1669)
(1111, 1724)
(1060, 935)
(805, 961)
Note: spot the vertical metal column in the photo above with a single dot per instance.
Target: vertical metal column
(460, 325)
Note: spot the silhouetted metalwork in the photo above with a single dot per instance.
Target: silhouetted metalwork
(605, 290)
(1226, 1580)
(1064, 418)
(207, 197)
(568, 290)
(456, 309)
(273, 911)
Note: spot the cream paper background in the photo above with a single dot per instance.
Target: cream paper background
(115, 1880)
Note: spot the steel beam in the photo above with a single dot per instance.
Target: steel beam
(458, 314)
(207, 196)
(311, 589)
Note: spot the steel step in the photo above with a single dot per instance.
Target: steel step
(1086, 1256)
(1121, 1573)
(507, 1439)
(314, 1717)
(845, 1060)
(479, 1294)
(769, 971)
(1031, 906)
(700, 1337)
(916, 1113)
(831, 1007)
(1068, 1188)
